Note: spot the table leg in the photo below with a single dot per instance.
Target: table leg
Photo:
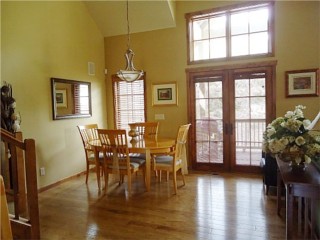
(306, 218)
(148, 169)
(96, 156)
(278, 192)
(289, 213)
(299, 215)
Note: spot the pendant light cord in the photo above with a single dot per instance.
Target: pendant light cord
(128, 41)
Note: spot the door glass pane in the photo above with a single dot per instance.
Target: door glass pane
(258, 87)
(216, 153)
(250, 115)
(257, 109)
(202, 108)
(215, 89)
(242, 107)
(215, 108)
(209, 125)
(242, 88)
(202, 90)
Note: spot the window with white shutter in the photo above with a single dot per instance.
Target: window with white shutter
(129, 102)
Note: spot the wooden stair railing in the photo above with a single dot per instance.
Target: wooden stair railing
(5, 222)
(21, 185)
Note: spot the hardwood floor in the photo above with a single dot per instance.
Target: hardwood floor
(224, 206)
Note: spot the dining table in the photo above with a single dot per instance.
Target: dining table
(140, 145)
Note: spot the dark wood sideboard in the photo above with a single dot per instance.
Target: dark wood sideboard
(302, 187)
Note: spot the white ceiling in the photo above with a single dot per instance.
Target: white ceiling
(146, 15)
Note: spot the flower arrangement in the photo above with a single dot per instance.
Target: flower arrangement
(290, 137)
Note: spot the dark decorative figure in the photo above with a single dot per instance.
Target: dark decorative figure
(9, 119)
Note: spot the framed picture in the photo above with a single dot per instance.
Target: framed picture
(61, 98)
(302, 83)
(164, 94)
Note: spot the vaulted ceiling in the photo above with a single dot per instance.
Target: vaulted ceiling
(146, 15)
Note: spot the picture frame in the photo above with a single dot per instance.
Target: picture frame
(302, 83)
(164, 94)
(61, 98)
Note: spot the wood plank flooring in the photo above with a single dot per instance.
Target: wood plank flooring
(224, 206)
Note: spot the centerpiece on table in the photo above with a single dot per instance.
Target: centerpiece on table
(290, 138)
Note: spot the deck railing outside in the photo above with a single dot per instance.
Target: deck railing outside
(249, 133)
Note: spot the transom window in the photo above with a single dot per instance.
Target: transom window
(244, 30)
(129, 102)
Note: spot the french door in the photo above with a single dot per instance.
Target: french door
(229, 110)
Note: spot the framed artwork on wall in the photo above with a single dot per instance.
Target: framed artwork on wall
(61, 98)
(302, 83)
(164, 94)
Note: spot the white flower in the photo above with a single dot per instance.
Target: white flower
(313, 149)
(289, 114)
(297, 160)
(284, 141)
(300, 107)
(300, 141)
(294, 148)
(271, 131)
(291, 139)
(307, 159)
(264, 146)
(306, 123)
(292, 124)
(276, 146)
(298, 113)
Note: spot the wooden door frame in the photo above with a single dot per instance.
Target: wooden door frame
(268, 66)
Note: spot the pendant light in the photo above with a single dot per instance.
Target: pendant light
(130, 74)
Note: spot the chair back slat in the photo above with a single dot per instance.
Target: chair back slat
(88, 133)
(115, 142)
(146, 129)
(181, 140)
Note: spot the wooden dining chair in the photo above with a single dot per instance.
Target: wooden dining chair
(146, 129)
(89, 133)
(172, 161)
(116, 156)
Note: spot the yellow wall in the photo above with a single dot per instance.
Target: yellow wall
(163, 55)
(41, 40)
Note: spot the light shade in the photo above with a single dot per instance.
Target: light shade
(130, 74)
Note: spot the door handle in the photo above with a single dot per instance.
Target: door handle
(228, 128)
(231, 129)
